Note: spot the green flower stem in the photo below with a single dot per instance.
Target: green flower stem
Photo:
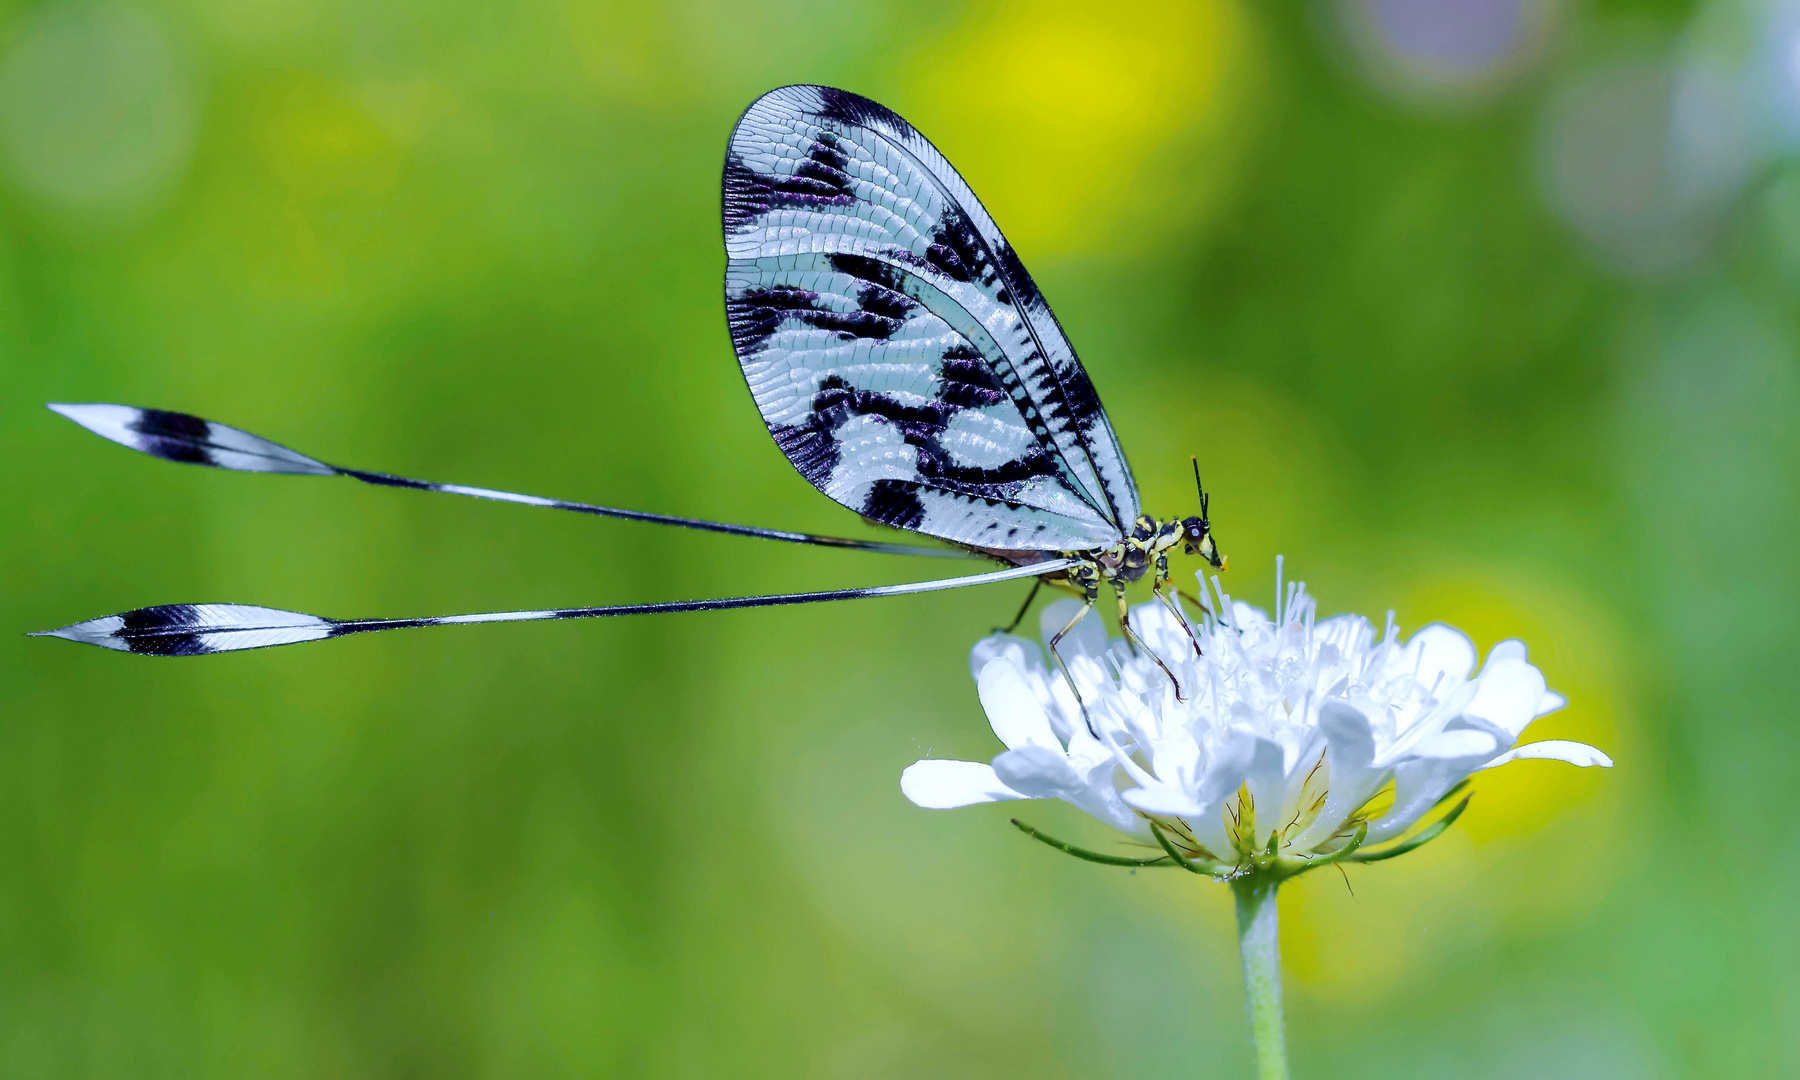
(1258, 941)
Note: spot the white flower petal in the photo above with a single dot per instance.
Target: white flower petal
(1440, 649)
(1509, 690)
(1422, 724)
(1462, 743)
(1168, 800)
(1038, 772)
(1209, 829)
(1268, 783)
(997, 646)
(1555, 750)
(1348, 733)
(938, 784)
(1252, 623)
(1227, 766)
(1418, 785)
(1550, 702)
(1510, 649)
(1349, 755)
(1100, 798)
(1013, 707)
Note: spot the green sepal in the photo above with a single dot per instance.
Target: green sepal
(1192, 866)
(1431, 833)
(1461, 787)
(1090, 856)
(1244, 839)
(1345, 852)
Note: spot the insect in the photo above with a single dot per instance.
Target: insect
(901, 356)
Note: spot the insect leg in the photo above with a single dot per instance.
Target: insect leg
(1090, 584)
(1131, 635)
(1023, 608)
(1162, 578)
(1199, 602)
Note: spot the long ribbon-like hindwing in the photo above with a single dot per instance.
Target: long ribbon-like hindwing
(199, 629)
(192, 440)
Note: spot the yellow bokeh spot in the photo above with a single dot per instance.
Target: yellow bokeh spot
(631, 53)
(338, 168)
(1083, 130)
(319, 138)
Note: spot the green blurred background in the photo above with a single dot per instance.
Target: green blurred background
(1482, 310)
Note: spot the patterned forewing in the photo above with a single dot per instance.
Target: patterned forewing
(900, 354)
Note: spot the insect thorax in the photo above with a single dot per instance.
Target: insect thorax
(1132, 558)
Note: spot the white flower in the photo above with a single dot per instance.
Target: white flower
(1283, 746)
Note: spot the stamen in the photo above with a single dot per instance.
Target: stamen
(1225, 606)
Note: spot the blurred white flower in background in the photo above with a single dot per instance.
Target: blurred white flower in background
(1285, 743)
(1650, 158)
(1774, 74)
(1438, 53)
(1648, 146)
(1644, 158)
(98, 112)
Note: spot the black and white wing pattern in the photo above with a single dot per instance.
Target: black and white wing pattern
(902, 357)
